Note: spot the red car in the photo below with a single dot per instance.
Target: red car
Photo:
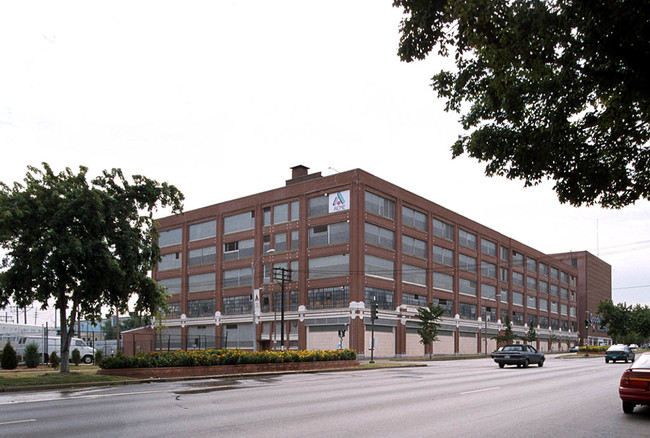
(634, 388)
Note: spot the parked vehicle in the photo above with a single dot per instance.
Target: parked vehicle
(518, 354)
(634, 347)
(54, 344)
(634, 388)
(619, 352)
(574, 349)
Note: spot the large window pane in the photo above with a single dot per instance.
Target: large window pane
(202, 256)
(329, 234)
(331, 266)
(237, 277)
(443, 281)
(239, 222)
(467, 239)
(414, 274)
(378, 267)
(379, 236)
(201, 282)
(170, 261)
(413, 218)
(466, 263)
(203, 230)
(385, 299)
(414, 247)
(443, 255)
(380, 206)
(328, 298)
(443, 229)
(171, 285)
(467, 287)
(170, 237)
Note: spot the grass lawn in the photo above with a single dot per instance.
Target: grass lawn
(25, 377)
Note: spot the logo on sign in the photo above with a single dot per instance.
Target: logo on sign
(339, 201)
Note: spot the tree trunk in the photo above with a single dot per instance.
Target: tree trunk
(65, 341)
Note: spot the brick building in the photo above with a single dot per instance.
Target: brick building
(343, 241)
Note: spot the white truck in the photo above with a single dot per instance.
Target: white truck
(54, 344)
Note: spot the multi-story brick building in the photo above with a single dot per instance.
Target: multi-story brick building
(348, 239)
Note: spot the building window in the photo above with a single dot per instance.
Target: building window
(490, 313)
(173, 310)
(554, 324)
(555, 273)
(543, 269)
(266, 243)
(443, 256)
(172, 285)
(318, 206)
(414, 274)
(328, 298)
(564, 293)
(466, 263)
(293, 266)
(443, 281)
(488, 247)
(170, 237)
(170, 261)
(573, 281)
(517, 278)
(564, 277)
(239, 222)
(295, 210)
(414, 300)
(531, 320)
(380, 236)
(414, 247)
(280, 243)
(237, 277)
(290, 301)
(467, 239)
(239, 250)
(531, 264)
(543, 322)
(280, 213)
(378, 267)
(239, 305)
(467, 287)
(467, 311)
(201, 282)
(531, 302)
(518, 299)
(414, 219)
(504, 275)
(503, 296)
(380, 206)
(531, 283)
(200, 308)
(518, 318)
(543, 287)
(447, 306)
(202, 256)
(294, 240)
(543, 304)
(573, 311)
(488, 292)
(554, 290)
(517, 258)
(505, 254)
(266, 214)
(553, 307)
(329, 234)
(203, 230)
(488, 269)
(385, 299)
(443, 230)
(331, 266)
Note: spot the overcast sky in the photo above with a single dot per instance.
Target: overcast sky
(221, 98)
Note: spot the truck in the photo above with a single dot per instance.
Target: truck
(54, 344)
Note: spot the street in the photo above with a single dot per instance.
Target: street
(468, 398)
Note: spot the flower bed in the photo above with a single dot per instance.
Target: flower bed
(223, 362)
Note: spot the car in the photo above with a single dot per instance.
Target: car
(518, 354)
(574, 349)
(619, 352)
(634, 347)
(634, 388)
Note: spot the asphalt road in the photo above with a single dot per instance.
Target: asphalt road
(468, 398)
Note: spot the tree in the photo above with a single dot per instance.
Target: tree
(9, 358)
(531, 335)
(548, 89)
(616, 317)
(32, 357)
(508, 335)
(84, 245)
(429, 321)
(640, 320)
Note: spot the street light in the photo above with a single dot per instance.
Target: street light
(253, 264)
(486, 318)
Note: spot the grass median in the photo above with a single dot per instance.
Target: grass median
(42, 376)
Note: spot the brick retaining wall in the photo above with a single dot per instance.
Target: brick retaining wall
(219, 370)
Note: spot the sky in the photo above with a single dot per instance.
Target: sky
(221, 98)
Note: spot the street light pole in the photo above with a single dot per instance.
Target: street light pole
(486, 319)
(253, 295)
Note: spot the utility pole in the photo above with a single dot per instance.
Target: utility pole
(373, 316)
(283, 275)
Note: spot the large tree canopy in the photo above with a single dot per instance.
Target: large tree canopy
(84, 245)
(554, 89)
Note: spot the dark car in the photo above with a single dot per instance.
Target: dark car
(518, 354)
(634, 388)
(619, 352)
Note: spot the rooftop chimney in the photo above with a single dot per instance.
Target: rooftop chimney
(300, 173)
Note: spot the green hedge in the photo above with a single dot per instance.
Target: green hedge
(220, 357)
(594, 348)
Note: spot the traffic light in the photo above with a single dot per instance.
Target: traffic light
(373, 311)
(343, 333)
(586, 323)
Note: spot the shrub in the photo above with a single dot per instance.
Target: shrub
(99, 355)
(9, 357)
(76, 356)
(32, 357)
(55, 361)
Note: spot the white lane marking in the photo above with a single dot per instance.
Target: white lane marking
(17, 422)
(119, 394)
(480, 390)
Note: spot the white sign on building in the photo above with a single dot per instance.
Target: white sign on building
(339, 201)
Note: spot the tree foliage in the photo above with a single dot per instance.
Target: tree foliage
(429, 322)
(83, 244)
(32, 357)
(9, 359)
(508, 334)
(531, 335)
(625, 324)
(547, 89)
